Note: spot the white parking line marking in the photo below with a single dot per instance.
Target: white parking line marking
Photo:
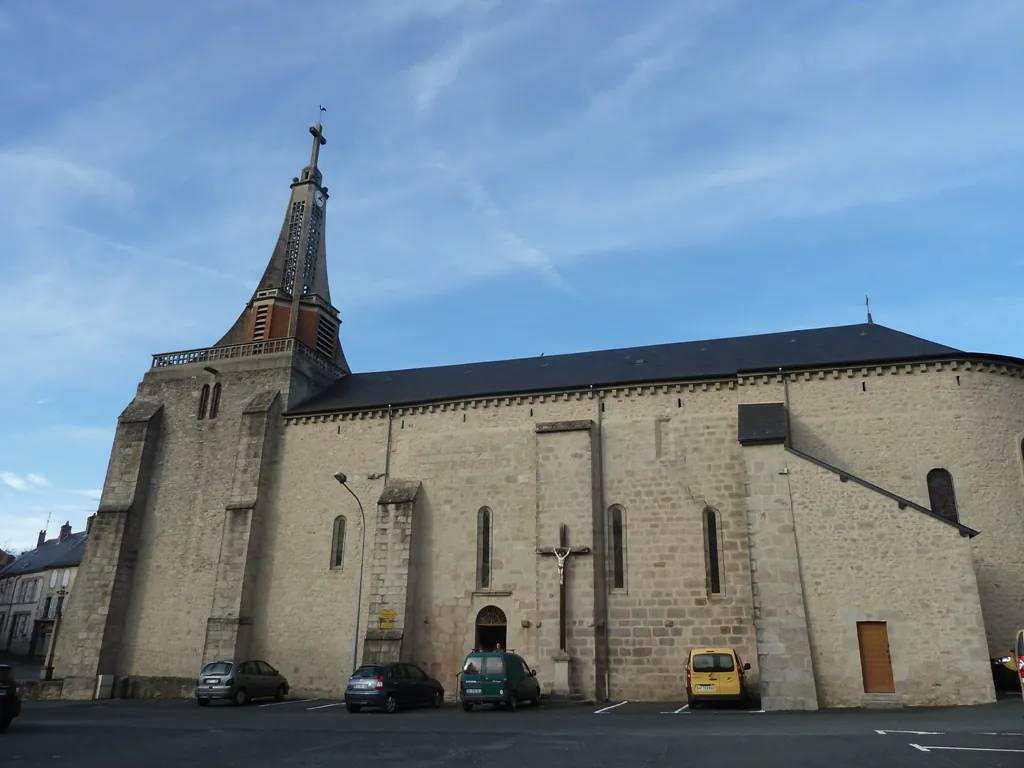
(681, 709)
(964, 749)
(914, 733)
(276, 703)
(613, 706)
(993, 733)
(325, 706)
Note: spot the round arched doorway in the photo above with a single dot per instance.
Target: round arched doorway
(491, 629)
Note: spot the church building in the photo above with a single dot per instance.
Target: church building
(844, 506)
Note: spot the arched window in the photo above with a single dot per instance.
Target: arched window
(618, 544)
(941, 495)
(483, 548)
(215, 401)
(712, 555)
(204, 398)
(338, 543)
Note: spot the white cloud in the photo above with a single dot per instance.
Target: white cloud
(23, 482)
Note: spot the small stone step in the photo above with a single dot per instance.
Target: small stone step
(882, 701)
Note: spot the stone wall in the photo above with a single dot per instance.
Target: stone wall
(388, 575)
(668, 454)
(783, 641)
(565, 497)
(91, 638)
(864, 559)
(892, 424)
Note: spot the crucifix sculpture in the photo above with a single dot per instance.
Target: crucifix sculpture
(561, 554)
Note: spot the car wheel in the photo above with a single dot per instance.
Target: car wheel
(535, 698)
(240, 697)
(511, 702)
(390, 703)
(203, 702)
(353, 708)
(466, 706)
(4, 724)
(438, 699)
(281, 693)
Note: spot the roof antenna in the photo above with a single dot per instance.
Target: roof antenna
(867, 303)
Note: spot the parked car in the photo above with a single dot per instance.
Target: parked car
(239, 682)
(390, 686)
(715, 674)
(497, 677)
(10, 697)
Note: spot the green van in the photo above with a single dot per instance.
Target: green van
(497, 677)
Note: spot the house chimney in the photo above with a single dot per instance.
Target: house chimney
(41, 540)
(65, 531)
(88, 523)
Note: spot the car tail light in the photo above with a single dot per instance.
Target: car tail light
(380, 682)
(229, 681)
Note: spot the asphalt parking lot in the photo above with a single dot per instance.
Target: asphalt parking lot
(318, 732)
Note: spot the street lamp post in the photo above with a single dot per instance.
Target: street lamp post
(47, 670)
(341, 478)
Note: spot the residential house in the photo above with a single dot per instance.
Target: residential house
(34, 588)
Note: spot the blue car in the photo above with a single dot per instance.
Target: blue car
(390, 686)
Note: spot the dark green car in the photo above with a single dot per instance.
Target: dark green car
(497, 677)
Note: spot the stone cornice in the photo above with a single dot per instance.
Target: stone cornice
(996, 365)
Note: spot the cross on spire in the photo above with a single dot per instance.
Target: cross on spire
(318, 141)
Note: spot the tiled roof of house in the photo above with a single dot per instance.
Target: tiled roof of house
(52, 554)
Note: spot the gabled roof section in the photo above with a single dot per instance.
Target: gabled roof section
(52, 554)
(684, 361)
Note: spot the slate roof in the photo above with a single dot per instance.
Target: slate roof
(865, 343)
(52, 554)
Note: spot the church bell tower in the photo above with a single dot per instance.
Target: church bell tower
(293, 298)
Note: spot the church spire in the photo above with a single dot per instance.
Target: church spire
(293, 297)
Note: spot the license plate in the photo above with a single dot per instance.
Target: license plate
(705, 687)
(212, 680)
(473, 690)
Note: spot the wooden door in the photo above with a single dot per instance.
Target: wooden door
(875, 662)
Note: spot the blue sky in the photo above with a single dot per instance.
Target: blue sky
(507, 178)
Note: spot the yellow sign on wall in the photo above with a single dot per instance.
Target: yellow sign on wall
(387, 615)
(386, 625)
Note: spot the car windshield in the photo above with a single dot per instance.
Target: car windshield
(217, 668)
(369, 672)
(713, 662)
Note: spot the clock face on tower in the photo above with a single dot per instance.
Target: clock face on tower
(318, 198)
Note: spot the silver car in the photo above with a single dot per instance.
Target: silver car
(239, 682)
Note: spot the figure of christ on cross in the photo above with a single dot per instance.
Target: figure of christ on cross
(561, 554)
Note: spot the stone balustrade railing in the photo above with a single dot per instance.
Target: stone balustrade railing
(239, 351)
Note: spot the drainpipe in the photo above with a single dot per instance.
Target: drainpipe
(603, 541)
(387, 458)
(785, 389)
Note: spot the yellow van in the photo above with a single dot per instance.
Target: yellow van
(715, 674)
